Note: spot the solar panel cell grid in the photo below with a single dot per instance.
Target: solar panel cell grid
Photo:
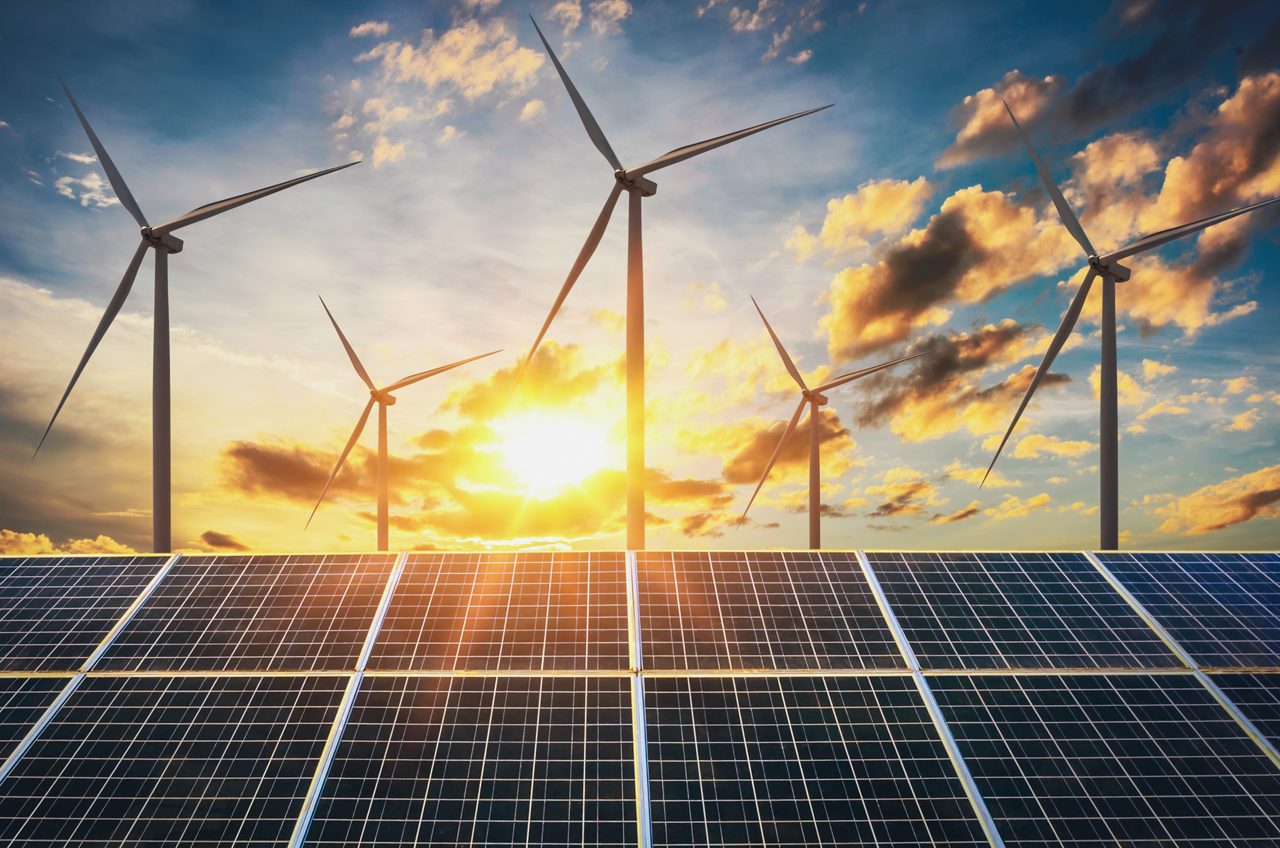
(1014, 610)
(54, 611)
(483, 761)
(1131, 759)
(800, 761)
(792, 610)
(22, 701)
(1223, 609)
(255, 613)
(171, 761)
(1258, 697)
(528, 611)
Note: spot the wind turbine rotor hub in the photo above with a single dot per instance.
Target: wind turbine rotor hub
(646, 187)
(814, 397)
(383, 397)
(170, 243)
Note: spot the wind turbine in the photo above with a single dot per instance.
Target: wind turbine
(384, 399)
(163, 242)
(636, 183)
(816, 400)
(1108, 267)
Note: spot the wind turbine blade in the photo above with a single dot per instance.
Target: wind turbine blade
(351, 353)
(1165, 236)
(786, 434)
(588, 120)
(217, 208)
(782, 351)
(690, 150)
(109, 315)
(1059, 339)
(422, 375)
(351, 442)
(113, 175)
(1065, 213)
(584, 255)
(850, 377)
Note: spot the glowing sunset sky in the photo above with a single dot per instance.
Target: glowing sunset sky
(905, 219)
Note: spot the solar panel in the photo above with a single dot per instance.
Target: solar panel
(1223, 609)
(1258, 697)
(483, 761)
(781, 610)
(255, 613)
(54, 611)
(800, 761)
(1124, 759)
(22, 701)
(171, 761)
(1014, 610)
(527, 611)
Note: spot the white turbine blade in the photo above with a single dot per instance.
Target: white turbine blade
(584, 255)
(109, 315)
(786, 434)
(1165, 236)
(422, 375)
(854, 375)
(1059, 339)
(690, 150)
(218, 207)
(113, 175)
(351, 442)
(351, 353)
(588, 120)
(782, 351)
(1067, 216)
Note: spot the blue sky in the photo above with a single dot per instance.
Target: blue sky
(901, 220)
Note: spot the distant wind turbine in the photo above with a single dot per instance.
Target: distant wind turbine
(635, 182)
(384, 399)
(815, 399)
(1108, 267)
(163, 242)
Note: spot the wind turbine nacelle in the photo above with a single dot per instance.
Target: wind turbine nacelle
(384, 398)
(169, 242)
(646, 187)
(1119, 272)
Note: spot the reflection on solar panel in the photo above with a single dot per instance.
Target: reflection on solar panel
(1224, 609)
(800, 761)
(55, 611)
(22, 701)
(484, 761)
(255, 613)
(539, 611)
(784, 610)
(171, 761)
(1003, 610)
(1258, 697)
(1104, 760)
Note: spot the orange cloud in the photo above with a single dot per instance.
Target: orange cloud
(1220, 505)
(984, 126)
(1037, 445)
(878, 207)
(14, 543)
(972, 510)
(1014, 507)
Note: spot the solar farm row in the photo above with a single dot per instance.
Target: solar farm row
(785, 699)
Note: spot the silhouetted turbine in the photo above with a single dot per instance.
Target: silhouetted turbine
(816, 400)
(163, 242)
(636, 183)
(1108, 267)
(384, 399)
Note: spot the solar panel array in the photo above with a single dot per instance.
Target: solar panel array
(609, 699)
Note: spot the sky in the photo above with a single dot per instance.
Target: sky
(905, 219)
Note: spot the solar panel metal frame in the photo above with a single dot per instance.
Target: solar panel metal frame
(50, 640)
(827, 617)
(243, 613)
(936, 596)
(1197, 617)
(442, 604)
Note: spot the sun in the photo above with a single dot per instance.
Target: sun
(549, 451)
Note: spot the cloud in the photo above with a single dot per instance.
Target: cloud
(607, 16)
(801, 243)
(705, 297)
(14, 543)
(1221, 505)
(973, 509)
(903, 491)
(878, 207)
(1037, 445)
(532, 109)
(384, 151)
(749, 448)
(1238, 385)
(376, 28)
(222, 541)
(91, 190)
(1128, 392)
(801, 57)
(1164, 407)
(975, 476)
(567, 13)
(1245, 421)
(1152, 370)
(80, 158)
(984, 126)
(1015, 507)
